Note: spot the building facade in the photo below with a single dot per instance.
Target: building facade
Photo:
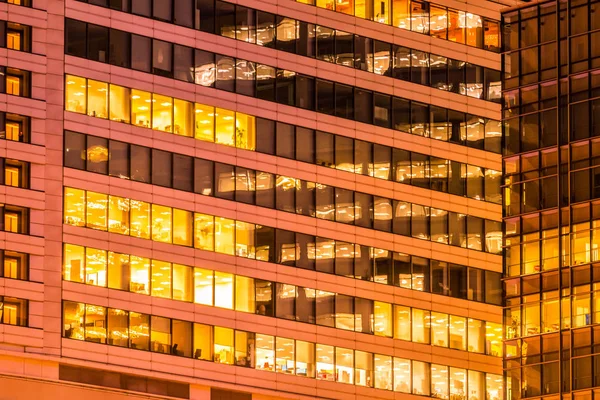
(251, 199)
(551, 115)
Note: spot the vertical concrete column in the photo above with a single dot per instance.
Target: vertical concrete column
(54, 175)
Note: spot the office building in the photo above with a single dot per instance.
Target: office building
(551, 116)
(251, 199)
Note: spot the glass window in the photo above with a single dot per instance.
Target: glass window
(204, 122)
(325, 308)
(224, 235)
(223, 345)
(363, 368)
(74, 263)
(161, 279)
(458, 383)
(439, 329)
(160, 335)
(204, 232)
(306, 305)
(205, 68)
(118, 327)
(119, 104)
(476, 335)
(76, 94)
(95, 267)
(305, 359)
(161, 223)
(245, 131)
(383, 372)
(421, 378)
(344, 365)
(284, 355)
(244, 294)
(140, 219)
(139, 330)
(203, 286)
(439, 381)
(73, 316)
(75, 39)
(75, 150)
(140, 275)
(97, 43)
(325, 362)
(96, 210)
(97, 104)
(16, 265)
(244, 343)
(285, 301)
(182, 338)
(402, 381)
(458, 339)
(140, 108)
(95, 324)
(265, 352)
(140, 58)
(203, 339)
(223, 290)
(421, 321)
(119, 273)
(225, 127)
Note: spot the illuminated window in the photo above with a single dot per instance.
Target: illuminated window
(223, 345)
(284, 355)
(141, 108)
(182, 227)
(95, 267)
(439, 381)
(97, 103)
(204, 236)
(224, 235)
(183, 118)
(74, 207)
(244, 239)
(183, 283)
(76, 94)
(140, 275)
(474, 35)
(439, 329)
(344, 365)
(265, 352)
(402, 322)
(17, 82)
(421, 326)
(458, 339)
(95, 324)
(458, 382)
(16, 265)
(139, 330)
(244, 294)
(203, 340)
(383, 319)
(73, 314)
(140, 219)
(493, 339)
(160, 335)
(476, 334)
(15, 173)
(224, 290)
(17, 128)
(118, 332)
(245, 131)
(18, 36)
(96, 210)
(162, 113)
(325, 361)
(344, 6)
(119, 272)
(203, 286)
(402, 381)
(161, 279)
(74, 263)
(225, 127)
(244, 342)
(305, 359)
(363, 368)
(204, 122)
(120, 103)
(383, 372)
(438, 22)
(118, 215)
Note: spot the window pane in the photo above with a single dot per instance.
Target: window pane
(223, 290)
(75, 150)
(140, 275)
(118, 327)
(325, 361)
(76, 94)
(402, 381)
(344, 365)
(203, 286)
(325, 302)
(140, 219)
(140, 58)
(161, 279)
(96, 210)
(203, 342)
(139, 331)
(161, 223)
(223, 345)
(265, 352)
(244, 294)
(119, 104)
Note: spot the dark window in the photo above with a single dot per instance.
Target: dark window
(204, 68)
(285, 140)
(245, 185)
(285, 243)
(205, 15)
(75, 38)
(265, 29)
(305, 92)
(285, 194)
(325, 155)
(363, 210)
(401, 63)
(325, 44)
(305, 245)
(476, 284)
(140, 164)
(184, 64)
(344, 104)
(183, 167)
(265, 136)
(118, 159)
(363, 106)
(382, 110)
(401, 114)
(140, 53)
(184, 13)
(325, 203)
(161, 168)
(325, 97)
(245, 77)
(265, 82)
(344, 153)
(439, 278)
(305, 145)
(163, 9)
(325, 305)
(305, 305)
(245, 21)
(285, 301)
(285, 87)
(265, 190)
(306, 39)
(286, 34)
(458, 281)
(305, 198)
(344, 48)
(203, 177)
(224, 181)
(162, 54)
(97, 43)
(119, 48)
(344, 312)
(363, 315)
(74, 150)
(225, 19)
(142, 7)
(225, 73)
